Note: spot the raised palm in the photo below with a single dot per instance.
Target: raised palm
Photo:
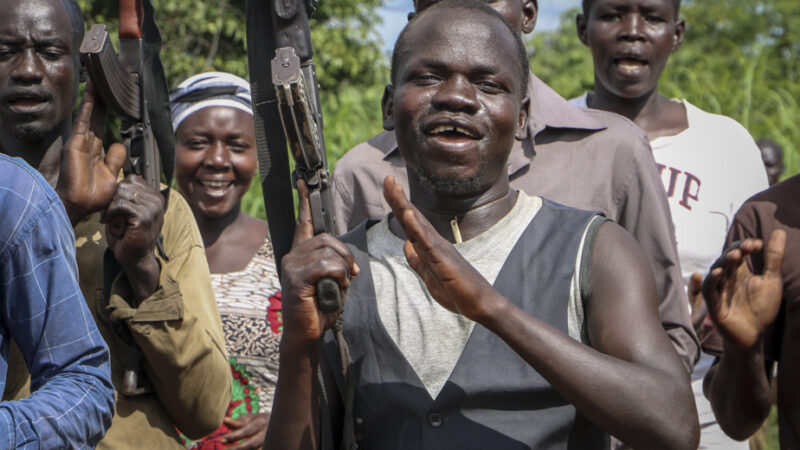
(741, 303)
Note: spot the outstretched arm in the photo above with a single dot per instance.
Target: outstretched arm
(742, 306)
(294, 422)
(631, 364)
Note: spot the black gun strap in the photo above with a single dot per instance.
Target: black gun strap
(157, 94)
(273, 157)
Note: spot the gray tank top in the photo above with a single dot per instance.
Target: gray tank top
(493, 399)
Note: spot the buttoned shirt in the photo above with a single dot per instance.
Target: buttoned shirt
(42, 309)
(586, 159)
(173, 338)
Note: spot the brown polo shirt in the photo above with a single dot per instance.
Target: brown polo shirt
(774, 209)
(587, 159)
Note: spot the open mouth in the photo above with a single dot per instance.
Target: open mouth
(216, 186)
(452, 131)
(631, 64)
(28, 104)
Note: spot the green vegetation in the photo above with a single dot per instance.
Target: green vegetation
(740, 58)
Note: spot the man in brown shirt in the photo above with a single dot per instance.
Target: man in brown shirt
(757, 317)
(585, 159)
(159, 317)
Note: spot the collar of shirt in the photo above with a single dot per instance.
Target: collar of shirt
(548, 111)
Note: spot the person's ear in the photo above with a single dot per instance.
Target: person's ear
(522, 122)
(581, 22)
(677, 38)
(530, 13)
(387, 107)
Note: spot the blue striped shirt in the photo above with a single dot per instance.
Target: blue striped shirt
(43, 311)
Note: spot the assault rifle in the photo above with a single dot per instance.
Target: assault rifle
(133, 87)
(294, 93)
(118, 83)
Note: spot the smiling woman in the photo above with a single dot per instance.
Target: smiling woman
(215, 163)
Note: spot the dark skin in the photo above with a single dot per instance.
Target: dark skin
(39, 75)
(631, 41)
(612, 383)
(521, 14)
(743, 305)
(215, 163)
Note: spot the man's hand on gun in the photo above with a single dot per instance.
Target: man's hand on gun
(311, 258)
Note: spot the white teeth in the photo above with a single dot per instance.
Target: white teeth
(216, 184)
(446, 128)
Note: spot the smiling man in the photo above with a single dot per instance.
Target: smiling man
(585, 159)
(153, 304)
(631, 41)
(477, 316)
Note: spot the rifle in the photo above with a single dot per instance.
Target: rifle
(294, 93)
(133, 87)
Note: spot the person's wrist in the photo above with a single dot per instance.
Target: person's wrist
(493, 309)
(143, 275)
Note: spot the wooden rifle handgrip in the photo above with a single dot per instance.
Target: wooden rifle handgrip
(329, 297)
(131, 18)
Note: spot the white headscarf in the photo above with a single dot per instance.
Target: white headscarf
(209, 89)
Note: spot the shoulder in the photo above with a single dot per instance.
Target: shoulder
(721, 129)
(772, 207)
(25, 200)
(365, 155)
(619, 129)
(180, 229)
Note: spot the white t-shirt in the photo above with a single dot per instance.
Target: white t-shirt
(708, 170)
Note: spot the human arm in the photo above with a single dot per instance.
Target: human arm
(294, 422)
(614, 383)
(644, 212)
(178, 328)
(45, 313)
(742, 306)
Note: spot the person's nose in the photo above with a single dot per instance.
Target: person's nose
(456, 94)
(218, 156)
(632, 27)
(28, 69)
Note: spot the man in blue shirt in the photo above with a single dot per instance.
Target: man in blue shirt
(43, 310)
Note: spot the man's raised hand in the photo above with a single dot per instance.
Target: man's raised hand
(742, 304)
(87, 179)
(450, 279)
(311, 258)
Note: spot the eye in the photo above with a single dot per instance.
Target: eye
(609, 17)
(51, 53)
(6, 53)
(654, 19)
(238, 146)
(490, 87)
(425, 79)
(196, 143)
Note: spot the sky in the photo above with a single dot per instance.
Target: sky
(395, 15)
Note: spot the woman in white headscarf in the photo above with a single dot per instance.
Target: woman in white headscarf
(215, 164)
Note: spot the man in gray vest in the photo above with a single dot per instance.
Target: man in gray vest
(586, 159)
(477, 316)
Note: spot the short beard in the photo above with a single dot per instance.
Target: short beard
(29, 132)
(452, 187)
